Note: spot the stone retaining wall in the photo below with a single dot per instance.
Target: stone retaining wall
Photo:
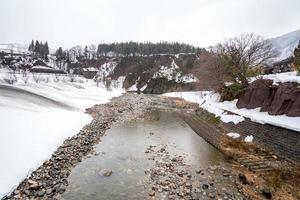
(284, 142)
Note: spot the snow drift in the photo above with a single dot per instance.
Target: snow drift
(36, 117)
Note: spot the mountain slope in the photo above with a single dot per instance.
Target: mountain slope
(286, 43)
(15, 47)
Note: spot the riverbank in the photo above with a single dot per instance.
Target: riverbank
(170, 176)
(50, 179)
(263, 170)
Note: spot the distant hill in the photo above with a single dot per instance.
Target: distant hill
(286, 43)
(15, 47)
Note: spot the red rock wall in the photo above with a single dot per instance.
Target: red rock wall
(274, 99)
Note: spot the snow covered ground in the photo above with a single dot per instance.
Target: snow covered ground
(255, 115)
(173, 72)
(280, 77)
(205, 100)
(286, 44)
(37, 117)
(210, 102)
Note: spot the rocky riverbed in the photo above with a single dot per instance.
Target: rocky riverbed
(170, 177)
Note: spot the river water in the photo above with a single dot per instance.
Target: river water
(122, 150)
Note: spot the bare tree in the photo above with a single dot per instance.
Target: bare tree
(25, 77)
(92, 51)
(210, 71)
(240, 53)
(75, 52)
(36, 77)
(72, 76)
(11, 77)
(56, 79)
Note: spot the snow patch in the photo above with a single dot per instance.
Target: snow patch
(118, 83)
(233, 135)
(206, 100)
(280, 77)
(106, 69)
(249, 138)
(231, 118)
(144, 87)
(133, 88)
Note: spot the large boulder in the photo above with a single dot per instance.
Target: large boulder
(268, 101)
(295, 109)
(285, 96)
(257, 94)
(276, 100)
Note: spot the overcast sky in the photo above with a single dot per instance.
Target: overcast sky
(198, 22)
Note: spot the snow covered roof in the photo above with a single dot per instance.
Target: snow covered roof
(90, 69)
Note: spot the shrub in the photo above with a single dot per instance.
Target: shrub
(253, 72)
(231, 92)
(298, 69)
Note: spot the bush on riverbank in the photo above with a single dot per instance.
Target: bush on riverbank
(231, 92)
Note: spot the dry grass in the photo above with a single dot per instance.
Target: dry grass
(182, 104)
(238, 147)
(284, 181)
(209, 117)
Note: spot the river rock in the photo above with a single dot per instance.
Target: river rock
(266, 192)
(105, 172)
(33, 184)
(151, 193)
(40, 193)
(245, 179)
(205, 186)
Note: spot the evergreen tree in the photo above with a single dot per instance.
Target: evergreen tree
(86, 52)
(59, 54)
(147, 48)
(37, 48)
(46, 49)
(31, 46)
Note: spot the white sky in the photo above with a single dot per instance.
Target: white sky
(199, 22)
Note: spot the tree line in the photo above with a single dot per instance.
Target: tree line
(146, 48)
(39, 49)
(125, 49)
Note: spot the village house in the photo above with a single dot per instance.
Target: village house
(285, 65)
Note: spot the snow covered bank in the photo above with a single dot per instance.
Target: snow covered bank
(204, 99)
(280, 77)
(255, 115)
(37, 117)
(196, 97)
(210, 102)
(30, 137)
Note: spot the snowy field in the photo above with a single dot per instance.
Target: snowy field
(36, 117)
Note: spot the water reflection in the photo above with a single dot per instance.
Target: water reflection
(123, 151)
